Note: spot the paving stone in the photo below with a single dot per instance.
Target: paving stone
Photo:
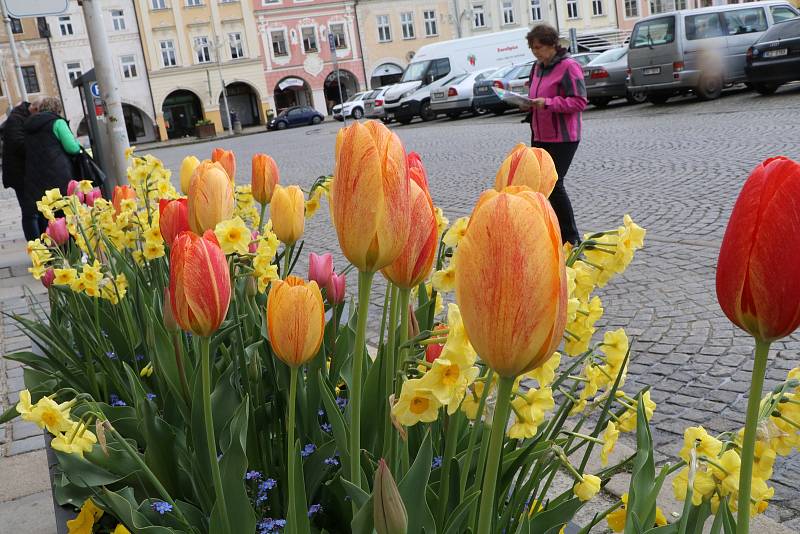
(33, 443)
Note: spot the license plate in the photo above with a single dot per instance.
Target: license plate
(776, 53)
(438, 94)
(651, 71)
(482, 90)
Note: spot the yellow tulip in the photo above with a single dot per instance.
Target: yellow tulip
(210, 197)
(510, 280)
(288, 213)
(295, 320)
(189, 165)
(370, 195)
(529, 166)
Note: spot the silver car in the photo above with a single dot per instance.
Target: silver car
(373, 104)
(456, 97)
(606, 78)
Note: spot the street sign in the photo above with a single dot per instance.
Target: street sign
(332, 43)
(96, 90)
(35, 8)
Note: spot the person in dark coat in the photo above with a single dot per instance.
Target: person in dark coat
(49, 147)
(14, 166)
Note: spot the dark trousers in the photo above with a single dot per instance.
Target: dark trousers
(32, 225)
(562, 154)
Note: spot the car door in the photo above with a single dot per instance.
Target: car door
(781, 13)
(294, 116)
(654, 51)
(744, 27)
(706, 43)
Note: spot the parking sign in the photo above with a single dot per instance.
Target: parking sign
(331, 42)
(35, 8)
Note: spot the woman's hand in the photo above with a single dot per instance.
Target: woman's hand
(538, 103)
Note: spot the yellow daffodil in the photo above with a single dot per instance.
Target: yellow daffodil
(441, 220)
(416, 404)
(120, 529)
(51, 415)
(456, 232)
(444, 281)
(457, 348)
(545, 374)
(615, 347)
(616, 519)
(84, 523)
(472, 400)
(696, 437)
(233, 235)
(24, 405)
(153, 249)
(448, 382)
(610, 435)
(587, 488)
(726, 470)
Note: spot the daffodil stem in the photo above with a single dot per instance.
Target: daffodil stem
(584, 437)
(404, 296)
(388, 361)
(364, 287)
(290, 460)
(749, 442)
(568, 465)
(488, 497)
(211, 441)
(451, 440)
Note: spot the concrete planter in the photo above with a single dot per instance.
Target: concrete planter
(205, 131)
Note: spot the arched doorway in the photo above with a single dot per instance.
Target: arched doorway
(138, 125)
(291, 92)
(243, 102)
(331, 87)
(182, 109)
(386, 74)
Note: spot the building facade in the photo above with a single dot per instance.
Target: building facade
(298, 63)
(393, 30)
(194, 48)
(31, 37)
(72, 57)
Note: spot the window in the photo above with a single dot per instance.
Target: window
(118, 19)
(339, 37)
(74, 71)
(168, 57)
(478, 16)
(429, 16)
(407, 24)
(128, 67)
(597, 7)
(65, 25)
(749, 20)
(30, 79)
(237, 45)
(439, 69)
(384, 31)
(703, 26)
(309, 39)
(779, 13)
(193, 3)
(508, 11)
(536, 9)
(278, 43)
(16, 25)
(202, 49)
(631, 9)
(572, 9)
(159, 4)
(653, 32)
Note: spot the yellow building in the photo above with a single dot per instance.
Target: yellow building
(393, 30)
(191, 46)
(34, 57)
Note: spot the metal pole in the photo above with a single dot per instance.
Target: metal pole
(23, 93)
(457, 16)
(219, 45)
(108, 80)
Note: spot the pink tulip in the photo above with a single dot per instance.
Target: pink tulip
(93, 195)
(48, 277)
(335, 288)
(253, 246)
(57, 230)
(320, 268)
(73, 188)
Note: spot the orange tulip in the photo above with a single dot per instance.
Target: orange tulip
(199, 283)
(265, 177)
(188, 166)
(416, 170)
(227, 159)
(528, 166)
(758, 271)
(370, 195)
(210, 197)
(173, 218)
(511, 282)
(295, 320)
(288, 213)
(121, 192)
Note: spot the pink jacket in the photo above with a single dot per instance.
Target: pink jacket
(561, 85)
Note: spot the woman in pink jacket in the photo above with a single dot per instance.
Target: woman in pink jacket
(559, 96)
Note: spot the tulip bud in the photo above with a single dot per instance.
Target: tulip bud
(288, 213)
(227, 159)
(336, 288)
(413, 324)
(211, 198)
(295, 320)
(92, 195)
(57, 230)
(264, 178)
(73, 186)
(173, 218)
(390, 515)
(320, 268)
(121, 192)
(252, 248)
(527, 166)
(188, 166)
(169, 318)
(251, 286)
(48, 277)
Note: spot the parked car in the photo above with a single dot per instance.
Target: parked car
(295, 116)
(775, 58)
(353, 107)
(486, 98)
(373, 104)
(698, 50)
(583, 58)
(606, 78)
(456, 97)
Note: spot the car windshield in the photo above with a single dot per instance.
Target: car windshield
(653, 32)
(609, 56)
(458, 79)
(483, 75)
(354, 97)
(283, 113)
(504, 71)
(415, 72)
(782, 30)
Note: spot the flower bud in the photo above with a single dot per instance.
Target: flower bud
(252, 248)
(173, 218)
(210, 197)
(121, 192)
(251, 286)
(288, 213)
(527, 166)
(264, 178)
(335, 289)
(169, 318)
(188, 166)
(92, 195)
(320, 268)
(57, 230)
(390, 515)
(227, 159)
(48, 277)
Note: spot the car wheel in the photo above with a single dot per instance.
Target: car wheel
(405, 120)
(316, 120)
(636, 98)
(600, 102)
(479, 111)
(710, 87)
(357, 113)
(425, 111)
(765, 88)
(453, 115)
(386, 120)
(657, 99)
(281, 125)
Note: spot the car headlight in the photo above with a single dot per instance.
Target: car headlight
(407, 94)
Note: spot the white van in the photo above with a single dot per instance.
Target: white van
(437, 64)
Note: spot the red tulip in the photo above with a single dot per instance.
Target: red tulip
(121, 192)
(758, 271)
(199, 283)
(173, 218)
(57, 230)
(335, 288)
(48, 277)
(320, 268)
(227, 159)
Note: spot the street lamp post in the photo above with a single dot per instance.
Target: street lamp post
(23, 93)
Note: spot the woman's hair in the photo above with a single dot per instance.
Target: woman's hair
(545, 34)
(49, 103)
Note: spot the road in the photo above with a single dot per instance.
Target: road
(677, 169)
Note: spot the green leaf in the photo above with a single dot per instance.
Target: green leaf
(372, 411)
(9, 414)
(123, 505)
(411, 490)
(553, 516)
(340, 431)
(640, 504)
(298, 516)
(364, 520)
(457, 518)
(86, 474)
(359, 496)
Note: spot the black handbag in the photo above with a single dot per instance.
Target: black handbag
(86, 168)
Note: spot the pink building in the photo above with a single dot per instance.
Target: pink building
(630, 11)
(296, 39)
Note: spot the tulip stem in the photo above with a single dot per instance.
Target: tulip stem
(749, 442)
(488, 497)
(453, 423)
(287, 256)
(364, 287)
(290, 460)
(211, 441)
(405, 295)
(261, 220)
(388, 359)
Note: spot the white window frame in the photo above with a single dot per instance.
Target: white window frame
(284, 39)
(384, 29)
(509, 15)
(194, 3)
(206, 51)
(478, 16)
(598, 9)
(158, 4)
(310, 49)
(118, 20)
(407, 25)
(339, 43)
(635, 11)
(169, 55)
(130, 68)
(574, 5)
(236, 45)
(69, 66)
(536, 10)
(431, 23)
(65, 26)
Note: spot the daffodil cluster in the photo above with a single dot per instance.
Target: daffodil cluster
(266, 248)
(616, 519)
(246, 207)
(318, 191)
(71, 437)
(151, 181)
(444, 279)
